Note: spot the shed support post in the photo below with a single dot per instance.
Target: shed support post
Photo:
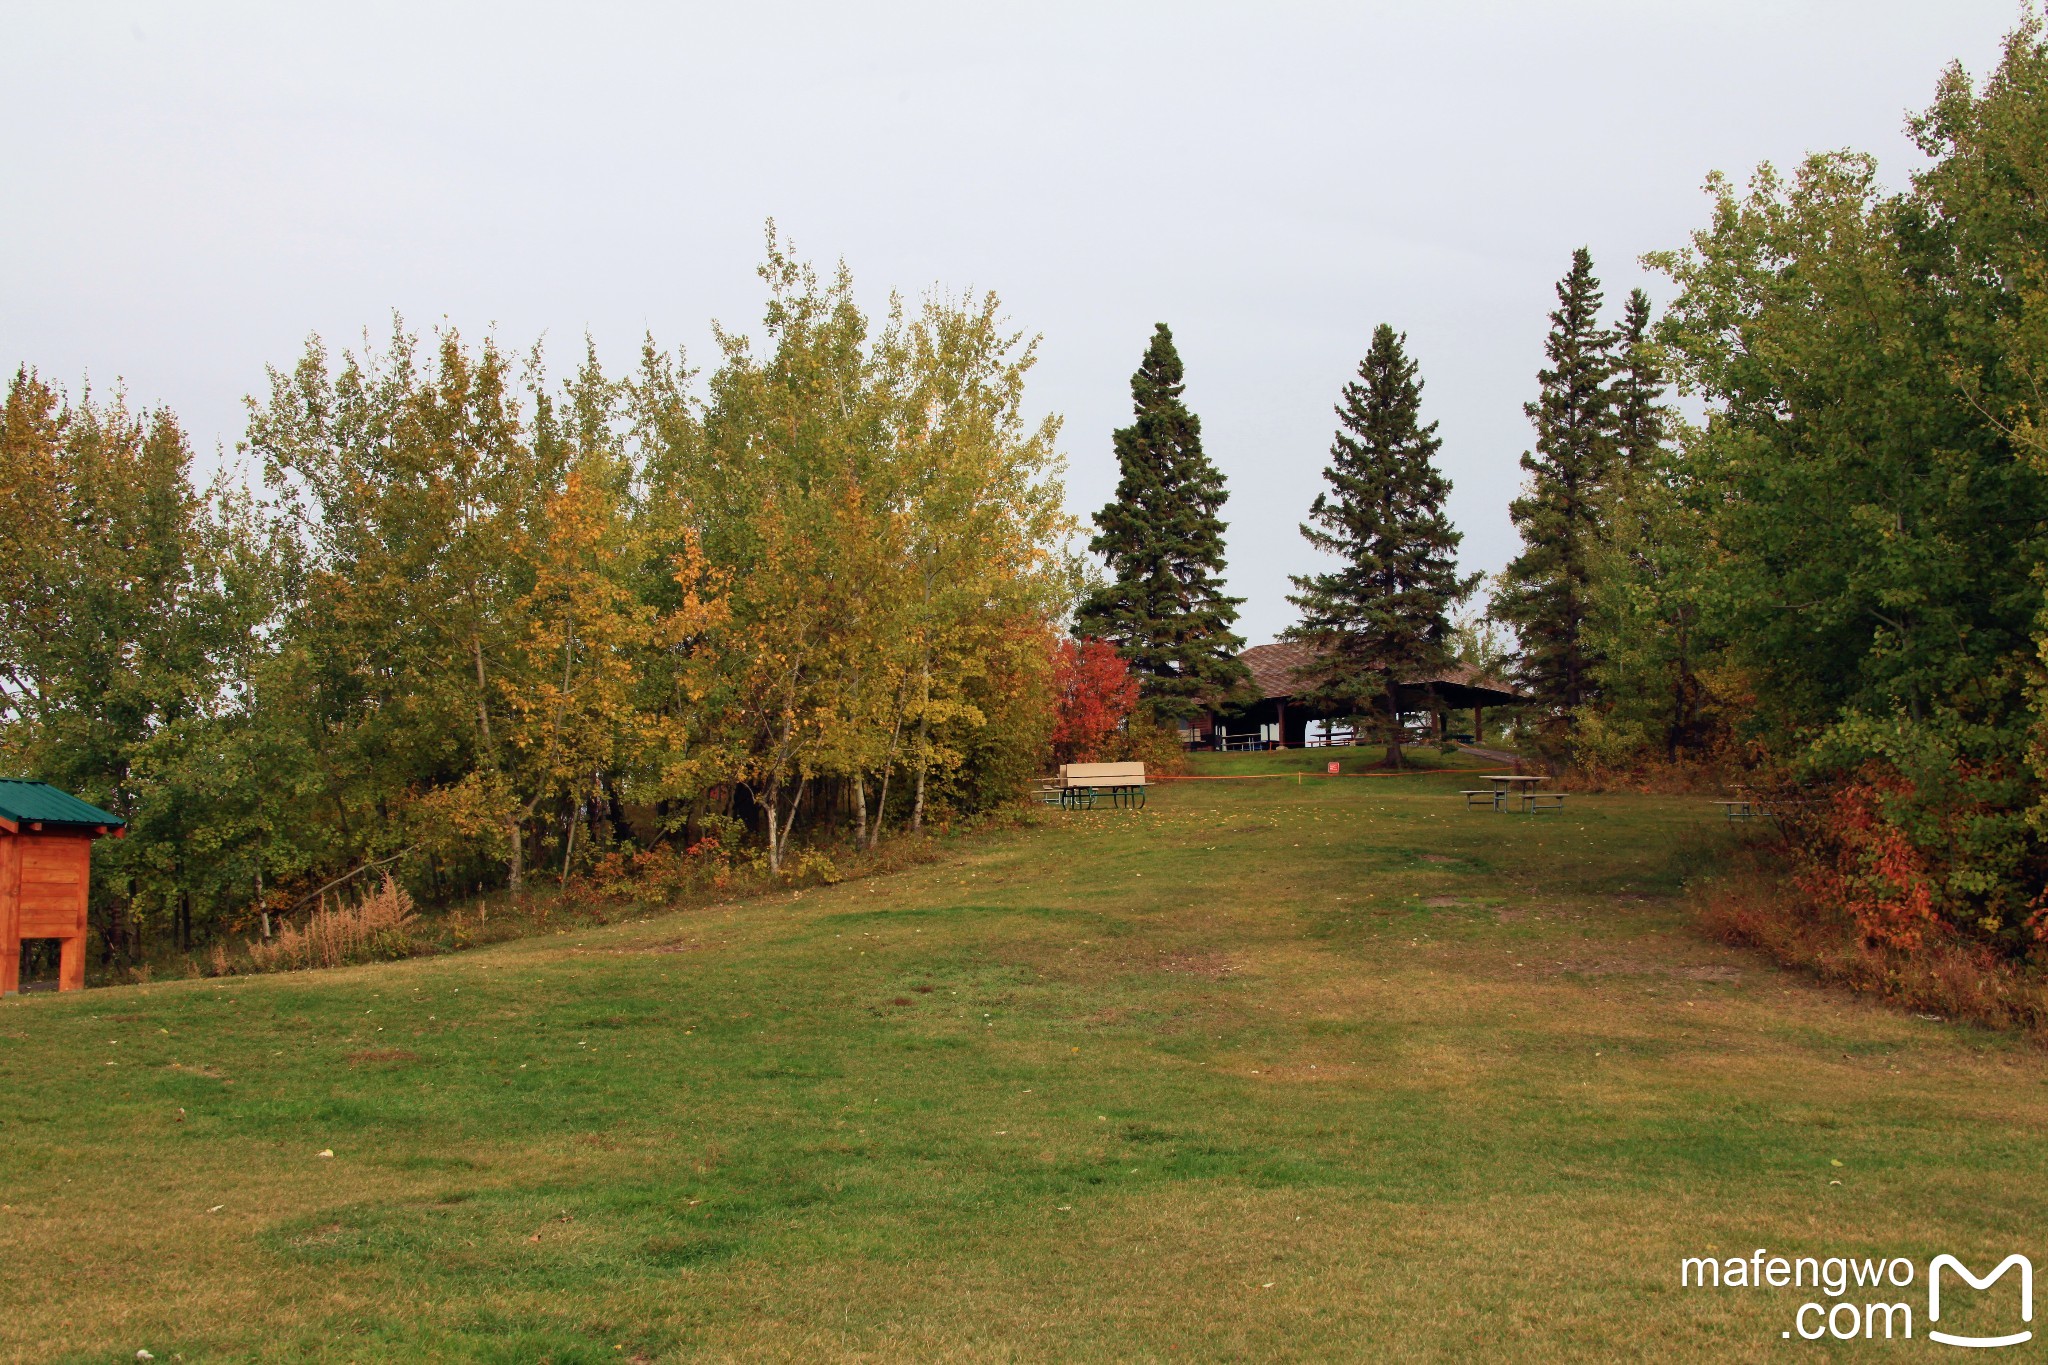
(71, 964)
(10, 916)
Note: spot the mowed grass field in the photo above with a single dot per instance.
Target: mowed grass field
(1288, 1069)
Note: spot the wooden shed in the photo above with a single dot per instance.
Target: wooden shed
(45, 871)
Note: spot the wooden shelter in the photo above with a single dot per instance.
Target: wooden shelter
(45, 871)
(1279, 716)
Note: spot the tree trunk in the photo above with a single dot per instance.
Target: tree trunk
(569, 843)
(924, 764)
(483, 715)
(860, 809)
(888, 766)
(515, 878)
(1393, 721)
(924, 752)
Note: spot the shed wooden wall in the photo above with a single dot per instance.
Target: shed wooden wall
(43, 884)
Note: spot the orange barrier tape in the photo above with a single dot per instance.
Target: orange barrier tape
(1261, 777)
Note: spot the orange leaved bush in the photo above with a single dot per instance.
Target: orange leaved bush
(1095, 695)
(1861, 861)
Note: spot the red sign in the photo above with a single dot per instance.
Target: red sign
(1332, 769)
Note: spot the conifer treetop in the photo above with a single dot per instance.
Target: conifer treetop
(1546, 590)
(1165, 609)
(1383, 612)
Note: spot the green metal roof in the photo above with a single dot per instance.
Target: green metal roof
(22, 802)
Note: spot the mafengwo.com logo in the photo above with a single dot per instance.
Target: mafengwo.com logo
(1863, 1298)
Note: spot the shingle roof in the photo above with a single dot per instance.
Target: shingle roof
(1277, 671)
(23, 802)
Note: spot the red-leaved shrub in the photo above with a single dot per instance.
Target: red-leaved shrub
(1096, 695)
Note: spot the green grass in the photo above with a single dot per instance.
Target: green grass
(1350, 759)
(1336, 1070)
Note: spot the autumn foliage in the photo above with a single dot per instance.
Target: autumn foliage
(474, 625)
(1095, 693)
(1860, 861)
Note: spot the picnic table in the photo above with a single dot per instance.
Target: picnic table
(1081, 782)
(1518, 788)
(1749, 804)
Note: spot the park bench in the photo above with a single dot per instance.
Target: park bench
(1739, 808)
(1082, 782)
(1535, 801)
(1489, 797)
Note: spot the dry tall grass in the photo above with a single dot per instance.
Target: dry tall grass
(378, 927)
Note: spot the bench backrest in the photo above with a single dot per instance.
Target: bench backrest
(1103, 774)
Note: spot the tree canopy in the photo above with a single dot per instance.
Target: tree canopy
(482, 623)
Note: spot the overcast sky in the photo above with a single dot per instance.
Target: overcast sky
(192, 189)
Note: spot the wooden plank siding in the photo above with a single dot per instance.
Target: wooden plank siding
(44, 879)
(53, 886)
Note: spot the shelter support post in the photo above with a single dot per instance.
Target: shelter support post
(10, 918)
(1478, 726)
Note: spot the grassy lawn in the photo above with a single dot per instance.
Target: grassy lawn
(1328, 1070)
(1350, 759)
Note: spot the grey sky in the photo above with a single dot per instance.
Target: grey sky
(191, 189)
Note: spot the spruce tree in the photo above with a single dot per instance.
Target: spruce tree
(1638, 383)
(1165, 610)
(1383, 614)
(1545, 591)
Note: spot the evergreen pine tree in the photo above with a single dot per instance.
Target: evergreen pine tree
(1638, 383)
(1165, 611)
(1545, 591)
(1383, 614)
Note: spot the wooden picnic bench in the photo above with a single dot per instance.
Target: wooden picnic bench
(1513, 787)
(1080, 783)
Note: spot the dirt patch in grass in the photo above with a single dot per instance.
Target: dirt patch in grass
(1641, 967)
(382, 1054)
(1214, 966)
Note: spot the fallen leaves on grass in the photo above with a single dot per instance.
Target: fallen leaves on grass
(1215, 966)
